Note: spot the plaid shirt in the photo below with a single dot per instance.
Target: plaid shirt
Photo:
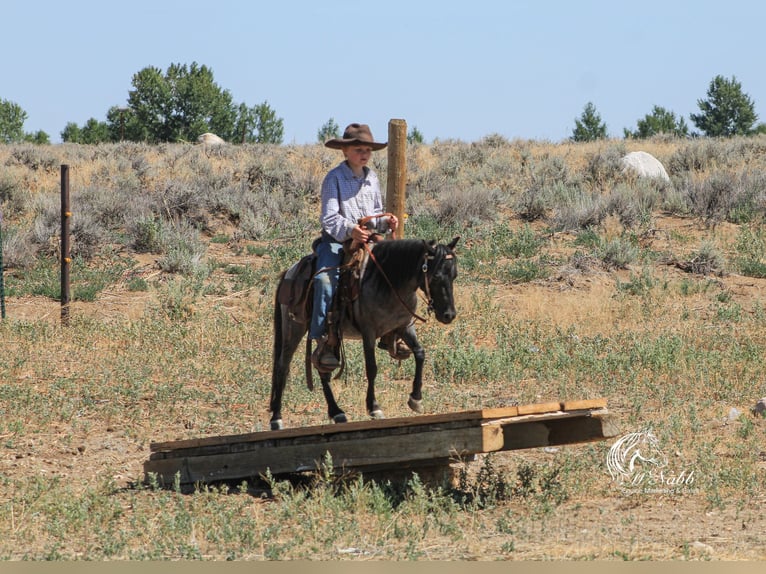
(346, 199)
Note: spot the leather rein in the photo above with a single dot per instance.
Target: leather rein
(429, 301)
(426, 283)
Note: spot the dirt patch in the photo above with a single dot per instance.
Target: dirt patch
(609, 524)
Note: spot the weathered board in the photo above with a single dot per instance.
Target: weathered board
(406, 442)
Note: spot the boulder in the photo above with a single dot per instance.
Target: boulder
(644, 165)
(210, 139)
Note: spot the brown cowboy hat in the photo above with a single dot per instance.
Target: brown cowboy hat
(355, 134)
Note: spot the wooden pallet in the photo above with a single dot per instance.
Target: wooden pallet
(378, 445)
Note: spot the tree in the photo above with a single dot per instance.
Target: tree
(258, 124)
(124, 125)
(328, 131)
(71, 133)
(12, 119)
(660, 121)
(179, 105)
(415, 137)
(39, 137)
(727, 111)
(92, 132)
(589, 127)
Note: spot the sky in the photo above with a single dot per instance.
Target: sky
(523, 69)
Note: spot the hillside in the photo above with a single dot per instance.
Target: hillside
(576, 281)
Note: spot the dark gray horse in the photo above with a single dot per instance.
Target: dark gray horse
(387, 300)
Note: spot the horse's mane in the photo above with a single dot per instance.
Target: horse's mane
(400, 258)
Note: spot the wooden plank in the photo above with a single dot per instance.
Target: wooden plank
(557, 431)
(538, 408)
(277, 440)
(400, 443)
(346, 454)
(354, 426)
(499, 412)
(581, 404)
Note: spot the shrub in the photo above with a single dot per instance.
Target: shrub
(466, 206)
(147, 234)
(708, 260)
(751, 251)
(18, 250)
(618, 253)
(182, 250)
(605, 167)
(578, 210)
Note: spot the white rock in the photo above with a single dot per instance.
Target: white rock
(702, 547)
(644, 165)
(210, 139)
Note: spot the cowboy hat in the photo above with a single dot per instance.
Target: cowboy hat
(355, 134)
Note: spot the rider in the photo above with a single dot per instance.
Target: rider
(350, 192)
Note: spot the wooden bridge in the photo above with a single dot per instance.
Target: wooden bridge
(410, 444)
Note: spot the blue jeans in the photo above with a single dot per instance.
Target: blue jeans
(329, 254)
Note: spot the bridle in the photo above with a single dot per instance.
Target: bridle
(426, 282)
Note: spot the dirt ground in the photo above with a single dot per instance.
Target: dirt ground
(672, 527)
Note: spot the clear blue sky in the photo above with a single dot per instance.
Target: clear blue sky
(453, 69)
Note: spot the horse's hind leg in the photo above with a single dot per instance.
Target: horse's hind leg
(335, 413)
(287, 336)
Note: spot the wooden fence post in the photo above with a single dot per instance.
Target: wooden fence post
(396, 191)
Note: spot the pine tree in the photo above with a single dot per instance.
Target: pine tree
(589, 127)
(727, 111)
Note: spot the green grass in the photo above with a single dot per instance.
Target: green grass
(79, 405)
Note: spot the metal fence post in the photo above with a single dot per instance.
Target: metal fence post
(66, 260)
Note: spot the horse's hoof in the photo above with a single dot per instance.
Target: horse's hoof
(377, 414)
(416, 406)
(277, 425)
(340, 418)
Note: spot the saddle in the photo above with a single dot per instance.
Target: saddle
(296, 293)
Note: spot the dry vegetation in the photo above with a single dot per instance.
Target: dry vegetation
(576, 281)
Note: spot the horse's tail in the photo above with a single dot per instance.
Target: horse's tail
(308, 365)
(278, 342)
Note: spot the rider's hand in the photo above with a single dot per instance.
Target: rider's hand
(360, 234)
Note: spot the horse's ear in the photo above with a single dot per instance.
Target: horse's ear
(430, 246)
(453, 243)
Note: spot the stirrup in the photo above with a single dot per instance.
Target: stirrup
(395, 346)
(324, 358)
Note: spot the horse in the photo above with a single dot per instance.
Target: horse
(396, 269)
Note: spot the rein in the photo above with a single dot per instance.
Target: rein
(429, 302)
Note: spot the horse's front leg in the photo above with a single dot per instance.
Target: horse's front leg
(335, 413)
(415, 401)
(371, 370)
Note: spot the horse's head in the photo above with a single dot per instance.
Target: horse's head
(440, 268)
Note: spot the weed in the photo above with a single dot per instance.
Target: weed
(191, 367)
(618, 253)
